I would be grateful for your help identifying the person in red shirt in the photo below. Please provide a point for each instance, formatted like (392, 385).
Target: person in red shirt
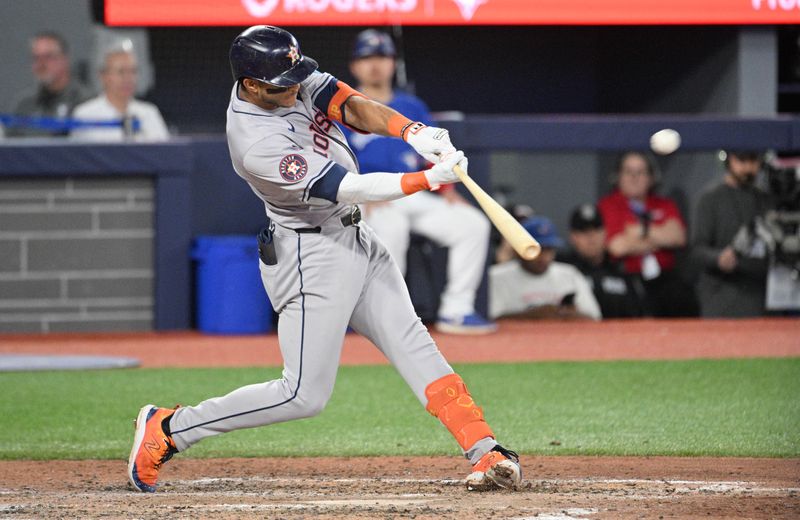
(643, 231)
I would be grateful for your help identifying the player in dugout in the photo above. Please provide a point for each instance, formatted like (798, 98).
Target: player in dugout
(447, 218)
(322, 267)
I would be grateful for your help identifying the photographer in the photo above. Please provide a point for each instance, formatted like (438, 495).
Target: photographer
(733, 257)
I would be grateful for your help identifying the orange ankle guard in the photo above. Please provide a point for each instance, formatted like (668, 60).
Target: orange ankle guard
(449, 400)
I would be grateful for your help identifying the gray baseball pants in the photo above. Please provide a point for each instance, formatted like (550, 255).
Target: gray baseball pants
(321, 283)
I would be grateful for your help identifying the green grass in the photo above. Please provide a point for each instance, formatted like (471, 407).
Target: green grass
(724, 408)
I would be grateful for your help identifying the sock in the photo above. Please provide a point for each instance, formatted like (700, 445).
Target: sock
(479, 449)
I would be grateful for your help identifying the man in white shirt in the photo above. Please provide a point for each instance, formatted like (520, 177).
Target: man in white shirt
(121, 117)
(540, 288)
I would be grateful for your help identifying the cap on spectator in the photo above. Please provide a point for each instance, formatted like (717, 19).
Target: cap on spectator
(373, 43)
(543, 230)
(585, 217)
(745, 155)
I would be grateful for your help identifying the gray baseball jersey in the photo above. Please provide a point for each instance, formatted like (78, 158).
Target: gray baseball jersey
(322, 273)
(293, 158)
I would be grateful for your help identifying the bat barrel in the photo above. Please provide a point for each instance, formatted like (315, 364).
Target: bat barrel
(530, 251)
(523, 243)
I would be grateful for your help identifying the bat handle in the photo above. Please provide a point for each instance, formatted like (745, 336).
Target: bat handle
(460, 172)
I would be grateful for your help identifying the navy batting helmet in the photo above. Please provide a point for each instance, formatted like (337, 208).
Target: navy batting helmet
(373, 43)
(269, 54)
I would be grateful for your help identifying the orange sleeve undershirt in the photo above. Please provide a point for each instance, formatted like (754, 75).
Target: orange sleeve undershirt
(409, 182)
(414, 182)
(396, 124)
(336, 105)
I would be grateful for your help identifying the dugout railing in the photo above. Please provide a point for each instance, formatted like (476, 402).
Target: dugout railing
(197, 193)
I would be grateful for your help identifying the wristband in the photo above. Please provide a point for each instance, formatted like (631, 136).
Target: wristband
(413, 128)
(397, 123)
(414, 182)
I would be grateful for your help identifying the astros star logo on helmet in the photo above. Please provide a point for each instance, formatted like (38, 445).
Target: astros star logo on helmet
(293, 168)
(293, 54)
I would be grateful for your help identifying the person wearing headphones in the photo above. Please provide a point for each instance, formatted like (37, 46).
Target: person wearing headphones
(643, 231)
(734, 260)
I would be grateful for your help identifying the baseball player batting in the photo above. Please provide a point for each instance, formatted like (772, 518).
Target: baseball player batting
(322, 268)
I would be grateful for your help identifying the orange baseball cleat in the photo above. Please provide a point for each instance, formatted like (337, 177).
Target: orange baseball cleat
(152, 447)
(498, 468)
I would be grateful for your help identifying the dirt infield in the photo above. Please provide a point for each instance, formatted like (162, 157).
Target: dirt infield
(555, 488)
(420, 488)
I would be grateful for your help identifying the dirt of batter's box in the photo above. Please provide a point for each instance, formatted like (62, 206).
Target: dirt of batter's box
(407, 487)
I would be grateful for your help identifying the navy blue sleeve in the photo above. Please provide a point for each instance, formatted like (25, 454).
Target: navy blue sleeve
(327, 187)
(325, 94)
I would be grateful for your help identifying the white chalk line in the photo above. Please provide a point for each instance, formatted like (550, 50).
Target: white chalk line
(658, 488)
(693, 486)
(574, 513)
(348, 480)
(682, 486)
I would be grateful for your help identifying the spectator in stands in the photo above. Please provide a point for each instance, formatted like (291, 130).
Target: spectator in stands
(619, 294)
(137, 120)
(734, 259)
(447, 218)
(542, 287)
(55, 94)
(644, 231)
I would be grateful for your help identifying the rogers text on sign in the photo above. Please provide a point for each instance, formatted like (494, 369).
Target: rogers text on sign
(263, 8)
(784, 5)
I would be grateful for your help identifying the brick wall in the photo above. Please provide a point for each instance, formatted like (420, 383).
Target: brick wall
(76, 254)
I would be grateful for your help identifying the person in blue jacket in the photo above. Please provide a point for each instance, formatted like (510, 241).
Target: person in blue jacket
(445, 218)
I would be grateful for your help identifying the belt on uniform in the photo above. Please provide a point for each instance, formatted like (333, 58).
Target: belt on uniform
(351, 219)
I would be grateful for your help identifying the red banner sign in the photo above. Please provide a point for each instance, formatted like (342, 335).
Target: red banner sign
(450, 12)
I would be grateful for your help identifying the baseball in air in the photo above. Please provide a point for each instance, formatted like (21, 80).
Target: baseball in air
(665, 141)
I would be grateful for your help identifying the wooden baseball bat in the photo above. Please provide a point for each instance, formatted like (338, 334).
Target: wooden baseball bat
(522, 241)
